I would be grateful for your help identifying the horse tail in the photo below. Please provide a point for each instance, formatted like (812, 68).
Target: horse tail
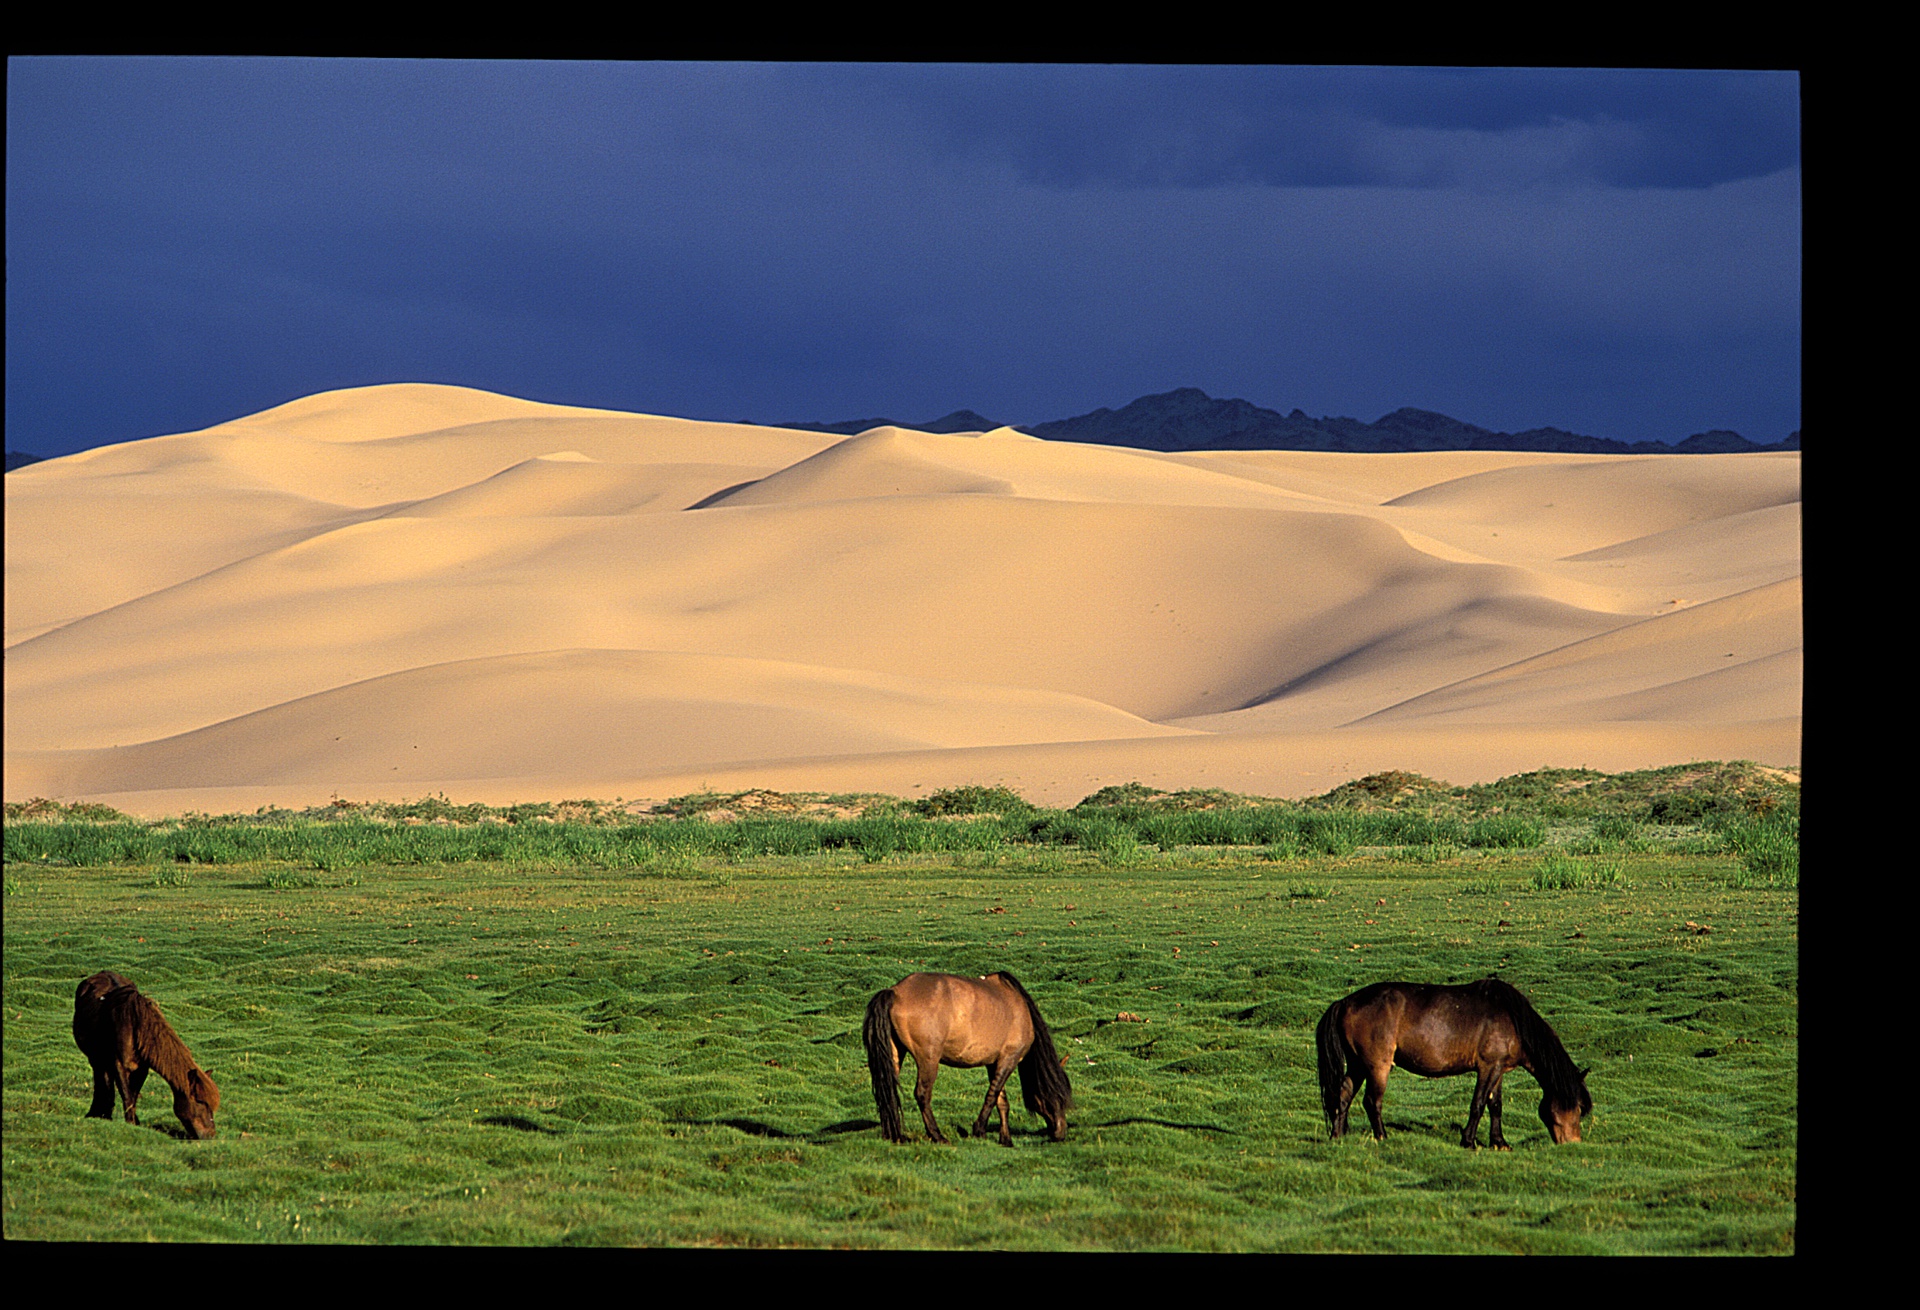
(1333, 1062)
(1045, 1088)
(878, 1033)
(1553, 1068)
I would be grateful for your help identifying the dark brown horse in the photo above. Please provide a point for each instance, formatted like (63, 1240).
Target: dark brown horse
(1484, 1028)
(939, 1018)
(123, 1034)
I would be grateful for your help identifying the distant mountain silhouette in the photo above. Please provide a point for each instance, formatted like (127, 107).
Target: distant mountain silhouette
(961, 420)
(20, 459)
(1189, 419)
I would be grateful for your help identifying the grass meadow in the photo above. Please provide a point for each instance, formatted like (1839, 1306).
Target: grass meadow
(603, 1037)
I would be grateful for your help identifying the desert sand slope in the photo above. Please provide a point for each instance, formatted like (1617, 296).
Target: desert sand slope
(1729, 660)
(396, 590)
(606, 712)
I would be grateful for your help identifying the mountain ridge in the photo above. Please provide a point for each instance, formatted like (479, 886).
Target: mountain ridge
(1187, 419)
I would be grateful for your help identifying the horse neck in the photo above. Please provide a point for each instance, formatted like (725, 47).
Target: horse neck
(160, 1048)
(1543, 1055)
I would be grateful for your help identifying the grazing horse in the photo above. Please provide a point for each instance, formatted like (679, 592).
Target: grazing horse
(1484, 1028)
(939, 1018)
(123, 1034)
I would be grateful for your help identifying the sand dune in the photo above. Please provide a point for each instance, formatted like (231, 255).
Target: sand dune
(396, 590)
(1732, 659)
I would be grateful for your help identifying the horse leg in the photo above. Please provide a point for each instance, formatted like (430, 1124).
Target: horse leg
(929, 1069)
(128, 1084)
(1376, 1100)
(102, 1107)
(1470, 1137)
(1494, 1137)
(997, 1076)
(1348, 1086)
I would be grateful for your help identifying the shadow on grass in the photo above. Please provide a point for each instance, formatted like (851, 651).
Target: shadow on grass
(517, 1123)
(1163, 1123)
(173, 1130)
(758, 1129)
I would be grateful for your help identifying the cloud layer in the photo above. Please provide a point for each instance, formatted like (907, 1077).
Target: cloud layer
(1614, 252)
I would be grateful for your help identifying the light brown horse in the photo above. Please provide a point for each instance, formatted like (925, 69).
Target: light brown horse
(940, 1018)
(123, 1034)
(1485, 1028)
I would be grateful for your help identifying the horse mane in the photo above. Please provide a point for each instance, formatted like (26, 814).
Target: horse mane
(156, 1043)
(1552, 1066)
(1045, 1088)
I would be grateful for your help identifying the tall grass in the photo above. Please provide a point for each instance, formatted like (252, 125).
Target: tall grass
(1768, 846)
(1558, 871)
(1746, 810)
(1507, 832)
(1114, 831)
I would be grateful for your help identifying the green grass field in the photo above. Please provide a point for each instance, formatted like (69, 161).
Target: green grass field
(658, 1044)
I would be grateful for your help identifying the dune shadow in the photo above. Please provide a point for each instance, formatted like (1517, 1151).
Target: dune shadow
(720, 495)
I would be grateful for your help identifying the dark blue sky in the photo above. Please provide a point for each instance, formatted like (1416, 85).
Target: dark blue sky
(190, 240)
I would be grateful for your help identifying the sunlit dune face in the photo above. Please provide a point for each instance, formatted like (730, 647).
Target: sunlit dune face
(309, 603)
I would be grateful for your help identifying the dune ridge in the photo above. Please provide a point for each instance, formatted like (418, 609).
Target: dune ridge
(396, 590)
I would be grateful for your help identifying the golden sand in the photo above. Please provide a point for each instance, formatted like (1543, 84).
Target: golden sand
(394, 591)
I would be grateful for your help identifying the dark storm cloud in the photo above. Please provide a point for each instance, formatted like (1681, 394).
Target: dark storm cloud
(1357, 126)
(192, 240)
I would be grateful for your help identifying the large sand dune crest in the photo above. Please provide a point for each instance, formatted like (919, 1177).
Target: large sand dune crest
(471, 589)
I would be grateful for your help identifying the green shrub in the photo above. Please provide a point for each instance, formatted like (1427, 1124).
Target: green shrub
(973, 800)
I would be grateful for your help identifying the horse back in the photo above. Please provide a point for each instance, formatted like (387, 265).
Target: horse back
(1432, 1030)
(961, 1021)
(105, 1009)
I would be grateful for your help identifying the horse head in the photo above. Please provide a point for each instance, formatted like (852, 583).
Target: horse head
(1563, 1118)
(195, 1103)
(1562, 1121)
